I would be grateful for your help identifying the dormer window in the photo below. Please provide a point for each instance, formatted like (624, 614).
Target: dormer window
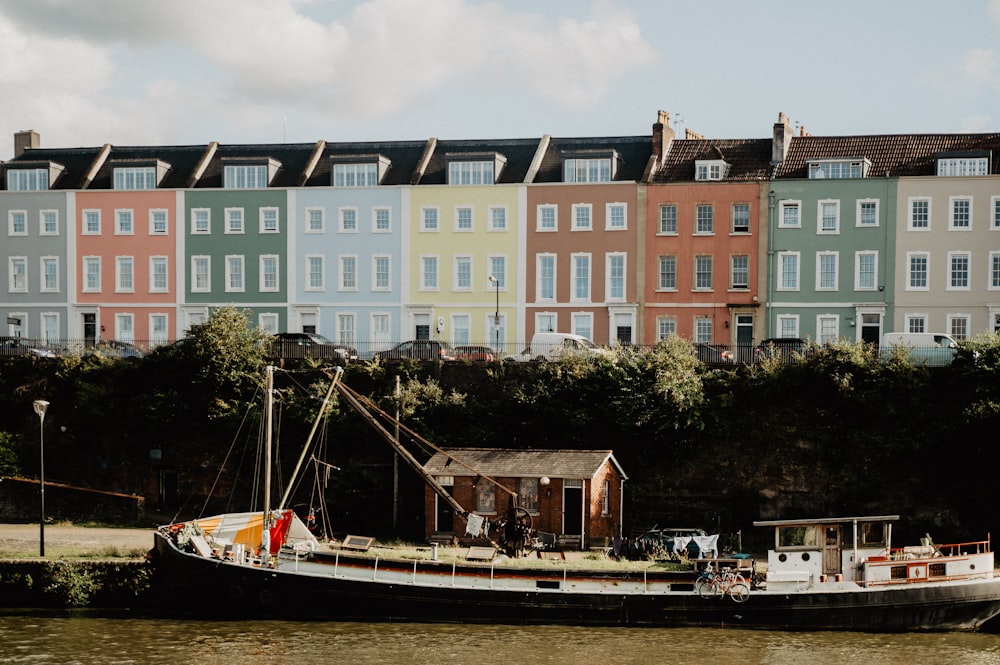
(963, 164)
(138, 176)
(837, 169)
(480, 169)
(249, 175)
(710, 169)
(359, 170)
(588, 169)
(36, 179)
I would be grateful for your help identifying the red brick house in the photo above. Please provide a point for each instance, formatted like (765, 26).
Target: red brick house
(574, 494)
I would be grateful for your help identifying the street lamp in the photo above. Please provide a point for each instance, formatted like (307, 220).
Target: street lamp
(496, 316)
(41, 406)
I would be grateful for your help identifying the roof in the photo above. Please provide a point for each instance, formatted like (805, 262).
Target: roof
(828, 520)
(76, 162)
(403, 158)
(633, 155)
(748, 159)
(528, 463)
(517, 152)
(891, 155)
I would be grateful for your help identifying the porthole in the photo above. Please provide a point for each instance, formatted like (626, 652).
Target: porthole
(805, 556)
(782, 558)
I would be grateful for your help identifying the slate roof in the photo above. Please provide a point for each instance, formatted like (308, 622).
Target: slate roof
(403, 158)
(293, 158)
(518, 153)
(633, 152)
(749, 159)
(894, 155)
(506, 463)
(76, 163)
(182, 161)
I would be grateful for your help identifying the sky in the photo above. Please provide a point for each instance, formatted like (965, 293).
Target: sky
(186, 72)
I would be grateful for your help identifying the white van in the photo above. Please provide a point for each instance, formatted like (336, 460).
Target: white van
(933, 349)
(552, 345)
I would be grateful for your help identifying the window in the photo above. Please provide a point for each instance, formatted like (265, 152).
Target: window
(916, 323)
(827, 269)
(158, 224)
(48, 223)
(665, 327)
(201, 221)
(668, 219)
(497, 331)
(428, 219)
(498, 270)
(461, 332)
(463, 273)
(546, 276)
(380, 331)
(50, 327)
(788, 271)
(245, 177)
(345, 329)
(713, 169)
(355, 175)
(17, 274)
(91, 222)
(268, 322)
(703, 219)
(788, 325)
(587, 170)
(315, 220)
(234, 220)
(788, 214)
(91, 274)
(546, 217)
(545, 322)
(269, 273)
(867, 214)
(667, 271)
(963, 166)
(485, 497)
(428, 273)
(498, 218)
(17, 223)
(135, 177)
(124, 274)
(348, 220)
(958, 271)
(958, 326)
(315, 273)
(470, 173)
(741, 218)
(920, 214)
(740, 271)
(581, 277)
(27, 180)
(268, 220)
(994, 270)
(380, 273)
(995, 213)
(234, 274)
(582, 324)
(616, 277)
(917, 271)
(348, 273)
(123, 223)
(50, 274)
(703, 330)
(829, 217)
(702, 273)
(125, 327)
(837, 169)
(381, 220)
(581, 217)
(157, 329)
(463, 219)
(158, 278)
(527, 494)
(201, 274)
(960, 218)
(615, 214)
(866, 269)
(606, 497)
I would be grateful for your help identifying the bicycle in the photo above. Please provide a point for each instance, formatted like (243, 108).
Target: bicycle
(727, 582)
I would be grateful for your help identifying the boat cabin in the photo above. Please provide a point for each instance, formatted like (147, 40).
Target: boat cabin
(859, 551)
(572, 496)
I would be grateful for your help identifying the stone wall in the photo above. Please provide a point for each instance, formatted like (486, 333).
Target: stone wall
(20, 502)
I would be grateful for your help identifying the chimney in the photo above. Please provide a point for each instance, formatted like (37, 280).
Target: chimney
(782, 139)
(692, 135)
(23, 140)
(663, 134)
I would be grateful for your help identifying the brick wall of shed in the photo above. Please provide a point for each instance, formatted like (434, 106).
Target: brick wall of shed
(602, 528)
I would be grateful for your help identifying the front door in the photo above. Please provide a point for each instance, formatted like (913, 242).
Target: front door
(871, 328)
(831, 551)
(573, 508)
(89, 329)
(744, 337)
(445, 513)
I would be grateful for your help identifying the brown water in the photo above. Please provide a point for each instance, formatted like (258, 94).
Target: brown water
(84, 638)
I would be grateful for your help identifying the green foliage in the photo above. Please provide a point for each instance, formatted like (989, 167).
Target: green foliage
(73, 583)
(8, 455)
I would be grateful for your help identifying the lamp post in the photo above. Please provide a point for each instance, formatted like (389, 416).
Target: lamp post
(41, 406)
(496, 316)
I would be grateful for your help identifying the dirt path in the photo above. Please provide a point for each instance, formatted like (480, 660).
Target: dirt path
(22, 540)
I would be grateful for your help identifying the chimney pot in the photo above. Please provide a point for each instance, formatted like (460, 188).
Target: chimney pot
(26, 139)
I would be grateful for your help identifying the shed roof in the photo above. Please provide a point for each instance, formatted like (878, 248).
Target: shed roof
(524, 463)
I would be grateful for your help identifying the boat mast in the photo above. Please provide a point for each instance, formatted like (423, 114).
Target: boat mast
(265, 536)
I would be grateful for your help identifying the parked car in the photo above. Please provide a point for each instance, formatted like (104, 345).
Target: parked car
(418, 349)
(112, 348)
(311, 345)
(18, 346)
(554, 345)
(474, 353)
(931, 349)
(785, 349)
(714, 354)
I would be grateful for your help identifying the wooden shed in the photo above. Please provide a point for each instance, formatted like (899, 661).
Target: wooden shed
(574, 494)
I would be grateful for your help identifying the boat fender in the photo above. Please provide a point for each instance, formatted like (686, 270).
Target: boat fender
(235, 591)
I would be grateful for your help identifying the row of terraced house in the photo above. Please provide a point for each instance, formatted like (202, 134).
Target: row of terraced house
(620, 239)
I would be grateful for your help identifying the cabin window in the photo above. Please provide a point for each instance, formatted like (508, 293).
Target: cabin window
(898, 573)
(485, 497)
(873, 533)
(791, 537)
(527, 494)
(935, 570)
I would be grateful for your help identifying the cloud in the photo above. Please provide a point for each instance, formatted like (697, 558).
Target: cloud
(980, 66)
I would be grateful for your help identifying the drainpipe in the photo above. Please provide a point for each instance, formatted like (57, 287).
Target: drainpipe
(771, 208)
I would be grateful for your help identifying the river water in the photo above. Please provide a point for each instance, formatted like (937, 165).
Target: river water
(84, 637)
